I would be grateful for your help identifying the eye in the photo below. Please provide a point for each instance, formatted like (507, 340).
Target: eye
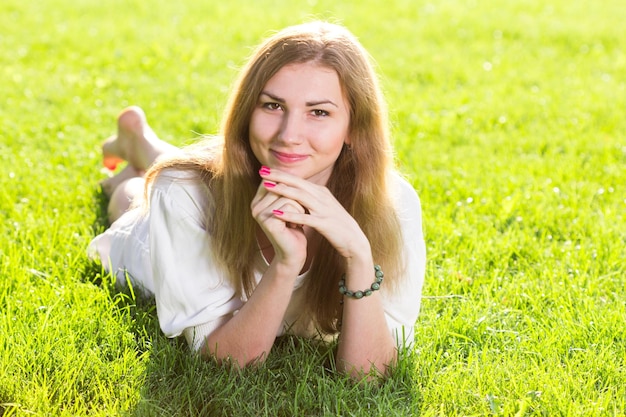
(320, 113)
(272, 106)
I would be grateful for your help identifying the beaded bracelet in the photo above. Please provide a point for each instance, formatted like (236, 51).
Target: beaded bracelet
(365, 293)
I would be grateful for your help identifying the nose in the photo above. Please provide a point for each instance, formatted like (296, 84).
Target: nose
(291, 129)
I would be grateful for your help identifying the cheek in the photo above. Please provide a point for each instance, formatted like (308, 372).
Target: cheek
(254, 125)
(330, 146)
(262, 127)
(335, 139)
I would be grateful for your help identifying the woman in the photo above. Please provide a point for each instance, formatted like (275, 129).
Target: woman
(275, 226)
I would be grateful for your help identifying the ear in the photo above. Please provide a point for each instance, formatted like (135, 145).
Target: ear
(347, 141)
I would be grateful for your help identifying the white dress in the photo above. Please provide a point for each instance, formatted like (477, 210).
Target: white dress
(167, 253)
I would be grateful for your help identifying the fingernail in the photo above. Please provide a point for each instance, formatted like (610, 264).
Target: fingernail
(264, 170)
(269, 184)
(278, 212)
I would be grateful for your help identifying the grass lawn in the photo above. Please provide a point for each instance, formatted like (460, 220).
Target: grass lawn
(509, 119)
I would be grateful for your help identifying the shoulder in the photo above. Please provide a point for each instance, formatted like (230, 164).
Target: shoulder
(170, 176)
(182, 189)
(172, 180)
(404, 195)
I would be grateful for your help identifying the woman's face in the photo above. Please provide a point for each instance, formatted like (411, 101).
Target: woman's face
(300, 122)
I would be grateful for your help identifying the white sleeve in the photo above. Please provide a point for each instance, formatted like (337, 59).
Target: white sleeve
(191, 292)
(402, 306)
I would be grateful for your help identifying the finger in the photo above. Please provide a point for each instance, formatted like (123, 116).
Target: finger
(294, 220)
(261, 192)
(262, 208)
(275, 202)
(312, 197)
(276, 175)
(289, 206)
(269, 179)
(295, 189)
(264, 200)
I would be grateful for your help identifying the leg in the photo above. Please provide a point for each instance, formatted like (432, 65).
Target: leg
(123, 197)
(109, 185)
(135, 143)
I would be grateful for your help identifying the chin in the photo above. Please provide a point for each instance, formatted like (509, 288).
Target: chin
(297, 173)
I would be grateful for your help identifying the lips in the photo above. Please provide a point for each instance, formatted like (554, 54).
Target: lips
(288, 157)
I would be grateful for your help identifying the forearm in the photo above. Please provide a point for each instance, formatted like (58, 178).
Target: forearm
(250, 334)
(365, 340)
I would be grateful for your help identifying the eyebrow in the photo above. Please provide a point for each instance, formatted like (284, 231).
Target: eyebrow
(308, 103)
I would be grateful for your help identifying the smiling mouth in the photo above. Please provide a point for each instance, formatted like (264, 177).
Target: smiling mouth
(288, 157)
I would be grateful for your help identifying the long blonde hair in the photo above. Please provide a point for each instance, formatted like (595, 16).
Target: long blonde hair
(359, 179)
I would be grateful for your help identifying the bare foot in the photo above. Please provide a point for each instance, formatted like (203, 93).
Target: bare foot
(109, 185)
(135, 142)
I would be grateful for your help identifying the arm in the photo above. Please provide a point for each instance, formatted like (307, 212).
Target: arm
(191, 294)
(249, 335)
(401, 308)
(365, 342)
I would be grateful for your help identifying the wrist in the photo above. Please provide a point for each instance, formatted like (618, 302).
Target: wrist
(286, 269)
(360, 251)
(360, 259)
(375, 285)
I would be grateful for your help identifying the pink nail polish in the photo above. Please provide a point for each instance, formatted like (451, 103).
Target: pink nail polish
(264, 170)
(112, 165)
(278, 212)
(269, 184)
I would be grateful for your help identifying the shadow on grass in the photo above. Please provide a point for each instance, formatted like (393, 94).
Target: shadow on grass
(294, 380)
(298, 377)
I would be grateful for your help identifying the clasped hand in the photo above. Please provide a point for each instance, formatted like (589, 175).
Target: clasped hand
(286, 205)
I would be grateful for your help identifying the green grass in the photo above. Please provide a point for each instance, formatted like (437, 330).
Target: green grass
(509, 118)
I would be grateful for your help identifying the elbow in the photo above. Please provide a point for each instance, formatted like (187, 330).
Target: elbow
(368, 368)
(238, 356)
(365, 372)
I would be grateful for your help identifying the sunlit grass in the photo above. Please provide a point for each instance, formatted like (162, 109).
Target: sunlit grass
(508, 118)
